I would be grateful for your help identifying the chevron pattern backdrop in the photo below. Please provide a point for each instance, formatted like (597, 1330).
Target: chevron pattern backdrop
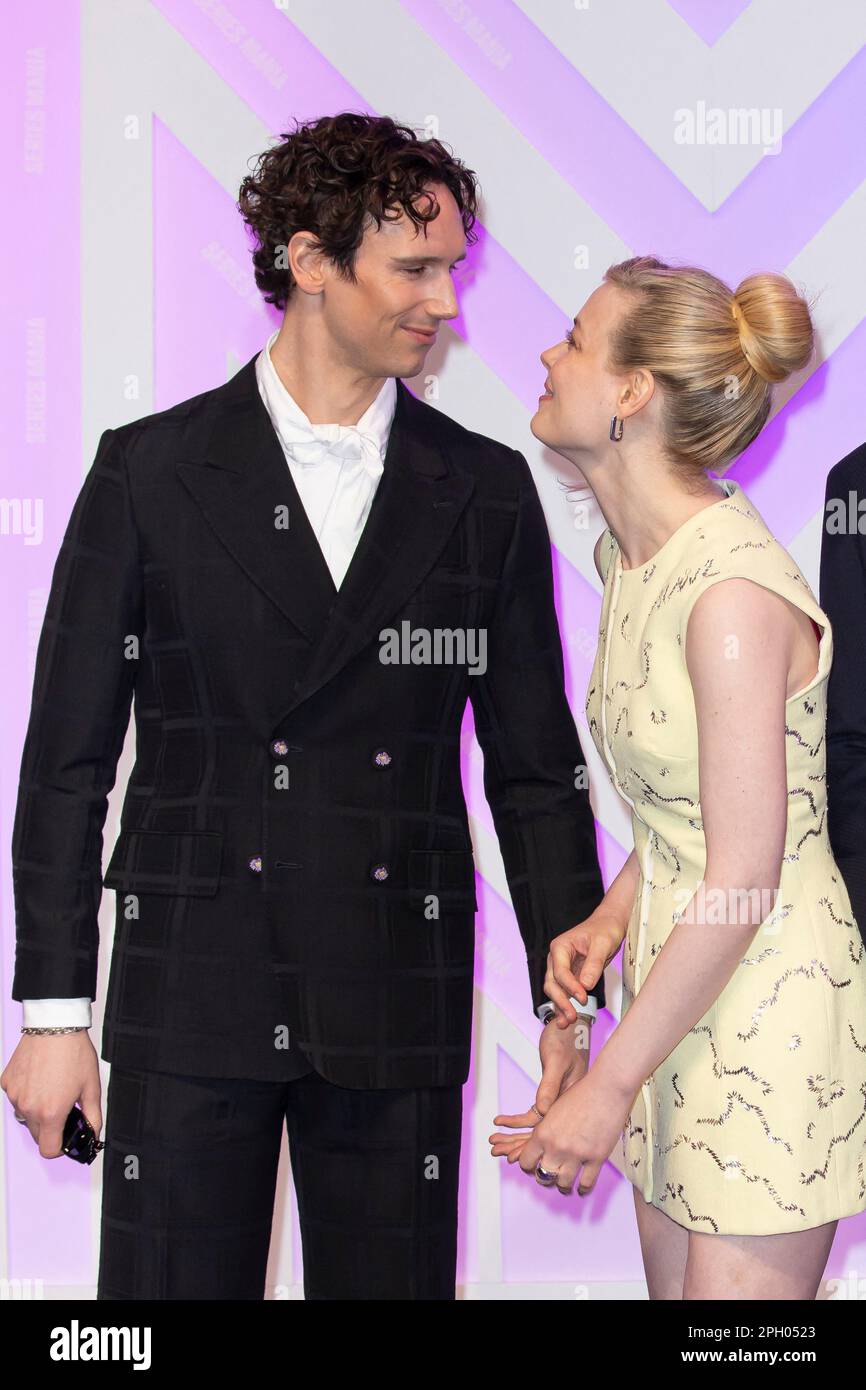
(600, 129)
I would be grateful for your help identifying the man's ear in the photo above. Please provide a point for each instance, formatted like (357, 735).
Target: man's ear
(306, 261)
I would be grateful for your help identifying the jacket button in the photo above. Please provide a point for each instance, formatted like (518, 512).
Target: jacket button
(279, 748)
(379, 872)
(255, 864)
(382, 757)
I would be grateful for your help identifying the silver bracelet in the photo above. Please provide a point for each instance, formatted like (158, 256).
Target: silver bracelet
(82, 1028)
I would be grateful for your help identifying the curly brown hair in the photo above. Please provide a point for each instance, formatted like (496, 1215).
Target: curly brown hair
(328, 175)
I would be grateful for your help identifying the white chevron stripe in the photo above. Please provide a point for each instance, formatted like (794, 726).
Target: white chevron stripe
(527, 206)
(832, 265)
(805, 547)
(647, 62)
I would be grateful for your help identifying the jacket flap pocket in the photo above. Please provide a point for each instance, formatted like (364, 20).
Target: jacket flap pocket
(447, 873)
(184, 863)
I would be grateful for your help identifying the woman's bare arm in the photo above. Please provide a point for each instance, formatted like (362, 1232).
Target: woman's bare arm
(739, 647)
(619, 898)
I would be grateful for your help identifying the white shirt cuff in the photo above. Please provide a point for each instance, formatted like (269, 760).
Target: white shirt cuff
(57, 1013)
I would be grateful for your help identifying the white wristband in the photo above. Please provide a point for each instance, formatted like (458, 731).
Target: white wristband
(590, 1007)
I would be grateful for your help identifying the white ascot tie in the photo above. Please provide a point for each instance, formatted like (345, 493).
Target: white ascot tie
(339, 441)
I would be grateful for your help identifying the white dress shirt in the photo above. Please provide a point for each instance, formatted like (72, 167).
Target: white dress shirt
(336, 470)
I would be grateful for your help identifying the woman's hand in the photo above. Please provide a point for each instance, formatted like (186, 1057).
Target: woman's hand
(575, 1137)
(588, 947)
(564, 1060)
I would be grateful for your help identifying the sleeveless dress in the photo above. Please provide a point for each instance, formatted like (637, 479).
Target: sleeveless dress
(755, 1123)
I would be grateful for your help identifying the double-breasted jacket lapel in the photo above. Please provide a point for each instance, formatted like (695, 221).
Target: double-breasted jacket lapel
(237, 473)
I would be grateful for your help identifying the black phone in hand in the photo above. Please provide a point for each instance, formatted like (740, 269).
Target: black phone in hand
(79, 1138)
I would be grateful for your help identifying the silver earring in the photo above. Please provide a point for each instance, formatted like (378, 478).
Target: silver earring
(613, 424)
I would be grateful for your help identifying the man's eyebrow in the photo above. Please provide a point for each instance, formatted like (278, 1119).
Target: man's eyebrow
(425, 260)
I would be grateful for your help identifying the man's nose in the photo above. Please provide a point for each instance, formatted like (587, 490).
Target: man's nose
(446, 306)
(446, 309)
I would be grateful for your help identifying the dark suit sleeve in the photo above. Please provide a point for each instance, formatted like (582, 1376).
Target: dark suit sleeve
(842, 595)
(532, 752)
(82, 691)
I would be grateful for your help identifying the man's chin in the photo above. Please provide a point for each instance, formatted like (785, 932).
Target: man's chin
(393, 366)
(412, 365)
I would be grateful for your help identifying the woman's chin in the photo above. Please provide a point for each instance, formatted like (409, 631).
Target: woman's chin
(536, 425)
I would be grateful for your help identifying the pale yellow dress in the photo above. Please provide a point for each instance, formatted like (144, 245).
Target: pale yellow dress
(755, 1123)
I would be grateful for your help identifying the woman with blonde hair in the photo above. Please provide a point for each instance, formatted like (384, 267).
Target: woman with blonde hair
(737, 1074)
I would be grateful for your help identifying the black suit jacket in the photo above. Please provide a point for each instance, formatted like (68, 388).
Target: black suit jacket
(842, 595)
(295, 811)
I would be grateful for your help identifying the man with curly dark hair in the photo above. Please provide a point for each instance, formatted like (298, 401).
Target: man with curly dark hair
(302, 576)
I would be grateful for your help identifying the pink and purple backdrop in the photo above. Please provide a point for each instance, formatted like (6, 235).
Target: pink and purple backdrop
(128, 125)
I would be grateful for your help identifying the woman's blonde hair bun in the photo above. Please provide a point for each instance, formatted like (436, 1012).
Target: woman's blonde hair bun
(713, 354)
(774, 325)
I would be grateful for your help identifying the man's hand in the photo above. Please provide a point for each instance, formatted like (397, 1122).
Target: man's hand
(564, 1060)
(586, 948)
(46, 1074)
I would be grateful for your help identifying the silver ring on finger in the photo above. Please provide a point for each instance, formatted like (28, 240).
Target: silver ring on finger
(545, 1176)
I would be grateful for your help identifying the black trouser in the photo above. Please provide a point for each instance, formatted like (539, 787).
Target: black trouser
(190, 1177)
